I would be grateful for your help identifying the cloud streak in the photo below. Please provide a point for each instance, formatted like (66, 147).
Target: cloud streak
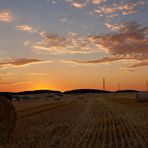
(128, 38)
(37, 74)
(12, 62)
(103, 8)
(98, 1)
(108, 59)
(113, 27)
(5, 16)
(129, 42)
(14, 82)
(69, 44)
(118, 8)
(83, 3)
(27, 28)
(140, 64)
(131, 38)
(78, 5)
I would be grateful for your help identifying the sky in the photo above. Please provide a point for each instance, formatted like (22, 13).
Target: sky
(72, 44)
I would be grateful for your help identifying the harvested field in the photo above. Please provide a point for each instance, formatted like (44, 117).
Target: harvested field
(81, 121)
(7, 119)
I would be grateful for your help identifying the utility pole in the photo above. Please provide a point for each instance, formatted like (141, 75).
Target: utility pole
(103, 83)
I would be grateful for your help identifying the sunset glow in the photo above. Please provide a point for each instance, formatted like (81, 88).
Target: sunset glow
(70, 44)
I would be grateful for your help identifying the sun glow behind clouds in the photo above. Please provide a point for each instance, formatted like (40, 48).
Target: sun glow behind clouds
(79, 38)
(41, 86)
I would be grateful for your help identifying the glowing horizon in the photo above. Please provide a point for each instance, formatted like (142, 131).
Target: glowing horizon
(71, 44)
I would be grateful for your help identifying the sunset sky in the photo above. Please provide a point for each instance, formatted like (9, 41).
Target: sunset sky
(69, 44)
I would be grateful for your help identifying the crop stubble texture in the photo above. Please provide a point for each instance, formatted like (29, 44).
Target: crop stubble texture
(93, 121)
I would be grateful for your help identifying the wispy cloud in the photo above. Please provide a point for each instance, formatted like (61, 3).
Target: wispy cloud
(129, 12)
(51, 1)
(102, 8)
(129, 42)
(69, 44)
(5, 74)
(5, 16)
(2, 73)
(130, 38)
(140, 64)
(14, 82)
(113, 27)
(13, 62)
(83, 3)
(118, 8)
(98, 1)
(128, 6)
(128, 69)
(78, 5)
(37, 74)
(105, 10)
(63, 20)
(27, 28)
(108, 59)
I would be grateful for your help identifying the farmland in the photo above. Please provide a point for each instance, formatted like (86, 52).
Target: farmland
(81, 121)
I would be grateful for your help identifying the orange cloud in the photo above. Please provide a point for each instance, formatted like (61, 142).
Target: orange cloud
(11, 62)
(113, 27)
(119, 8)
(37, 74)
(5, 16)
(14, 82)
(83, 3)
(105, 10)
(130, 38)
(129, 12)
(97, 1)
(140, 64)
(128, 69)
(2, 73)
(128, 43)
(27, 28)
(109, 59)
(69, 44)
(78, 5)
(128, 6)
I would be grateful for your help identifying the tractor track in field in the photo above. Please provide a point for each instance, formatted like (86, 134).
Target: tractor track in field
(109, 129)
(41, 108)
(126, 132)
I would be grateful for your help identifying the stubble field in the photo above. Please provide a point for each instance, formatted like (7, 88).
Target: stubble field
(81, 121)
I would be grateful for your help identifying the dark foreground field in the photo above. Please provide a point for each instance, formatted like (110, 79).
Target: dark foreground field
(82, 121)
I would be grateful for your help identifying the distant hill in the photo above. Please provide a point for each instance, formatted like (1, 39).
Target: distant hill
(38, 92)
(75, 91)
(126, 91)
(83, 91)
(9, 95)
